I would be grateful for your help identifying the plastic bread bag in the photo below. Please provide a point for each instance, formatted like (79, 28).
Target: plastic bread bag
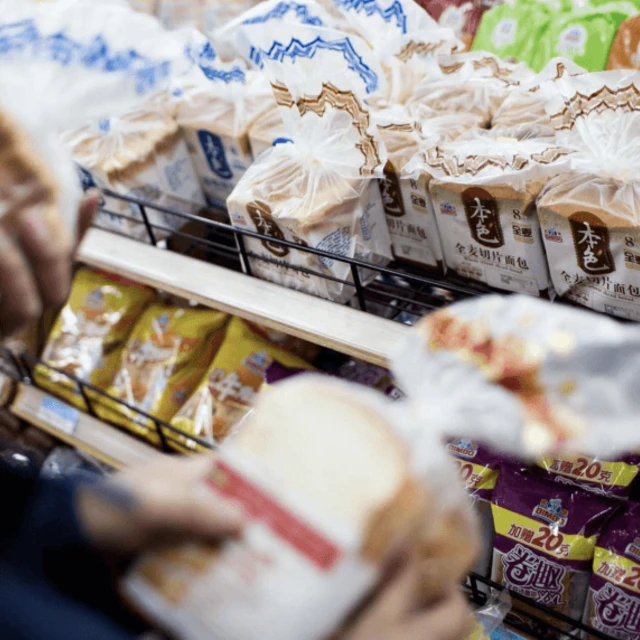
(624, 50)
(590, 217)
(87, 336)
(585, 35)
(515, 30)
(318, 188)
(523, 113)
(399, 28)
(141, 154)
(483, 192)
(475, 82)
(545, 539)
(487, 622)
(292, 463)
(613, 601)
(160, 365)
(81, 63)
(236, 37)
(524, 376)
(266, 130)
(609, 478)
(215, 110)
(229, 386)
(404, 188)
(479, 468)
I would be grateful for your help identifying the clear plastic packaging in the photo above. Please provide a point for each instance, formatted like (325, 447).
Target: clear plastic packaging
(84, 64)
(590, 217)
(525, 376)
(317, 188)
(320, 529)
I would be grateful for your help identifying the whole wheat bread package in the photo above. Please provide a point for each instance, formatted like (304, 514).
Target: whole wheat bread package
(317, 188)
(404, 188)
(320, 527)
(483, 192)
(523, 113)
(590, 217)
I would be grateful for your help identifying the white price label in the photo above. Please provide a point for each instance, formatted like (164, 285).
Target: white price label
(58, 414)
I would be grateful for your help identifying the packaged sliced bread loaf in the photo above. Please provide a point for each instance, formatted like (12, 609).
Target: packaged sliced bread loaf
(318, 189)
(215, 112)
(320, 527)
(523, 113)
(265, 130)
(404, 188)
(77, 78)
(229, 387)
(591, 217)
(160, 366)
(475, 82)
(483, 191)
(141, 154)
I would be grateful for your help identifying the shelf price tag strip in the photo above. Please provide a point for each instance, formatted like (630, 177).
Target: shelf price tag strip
(58, 415)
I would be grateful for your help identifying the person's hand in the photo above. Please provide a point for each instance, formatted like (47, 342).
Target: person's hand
(36, 262)
(397, 614)
(166, 501)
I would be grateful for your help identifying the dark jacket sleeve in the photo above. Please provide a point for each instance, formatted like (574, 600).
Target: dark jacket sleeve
(43, 548)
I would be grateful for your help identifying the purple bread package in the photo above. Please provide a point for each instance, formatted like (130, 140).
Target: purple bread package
(604, 477)
(363, 373)
(276, 372)
(545, 536)
(613, 603)
(479, 468)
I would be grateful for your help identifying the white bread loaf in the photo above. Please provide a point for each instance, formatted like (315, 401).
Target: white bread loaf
(335, 458)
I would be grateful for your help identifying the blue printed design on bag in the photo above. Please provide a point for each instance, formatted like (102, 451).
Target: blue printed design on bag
(282, 9)
(86, 179)
(214, 151)
(236, 74)
(393, 13)
(296, 49)
(204, 58)
(25, 37)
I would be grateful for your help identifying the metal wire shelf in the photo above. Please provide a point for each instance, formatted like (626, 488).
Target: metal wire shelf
(397, 287)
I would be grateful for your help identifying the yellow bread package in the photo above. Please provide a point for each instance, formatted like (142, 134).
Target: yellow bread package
(162, 364)
(87, 335)
(230, 385)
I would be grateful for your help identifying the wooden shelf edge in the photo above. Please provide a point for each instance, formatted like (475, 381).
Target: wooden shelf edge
(104, 442)
(325, 323)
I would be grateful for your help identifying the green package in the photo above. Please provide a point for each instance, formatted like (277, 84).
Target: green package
(584, 36)
(513, 30)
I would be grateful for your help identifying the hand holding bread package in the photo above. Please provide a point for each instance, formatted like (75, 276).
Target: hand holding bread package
(316, 189)
(320, 528)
